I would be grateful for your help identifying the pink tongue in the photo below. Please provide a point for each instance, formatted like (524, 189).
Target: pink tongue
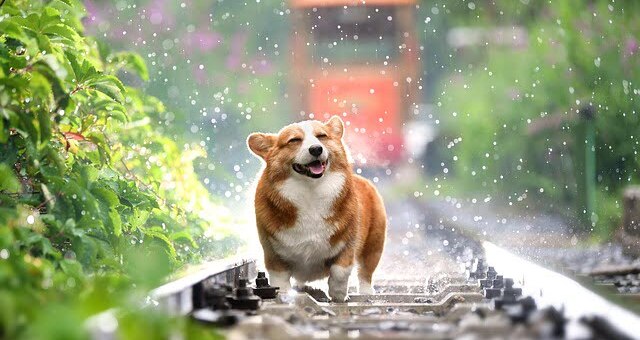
(316, 168)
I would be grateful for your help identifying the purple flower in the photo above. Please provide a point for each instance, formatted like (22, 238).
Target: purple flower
(201, 40)
(157, 13)
(234, 59)
(95, 16)
(261, 66)
(92, 10)
(631, 46)
(200, 76)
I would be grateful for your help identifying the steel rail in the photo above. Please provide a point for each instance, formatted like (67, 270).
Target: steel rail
(549, 288)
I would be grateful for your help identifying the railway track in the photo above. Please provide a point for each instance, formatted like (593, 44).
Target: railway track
(435, 281)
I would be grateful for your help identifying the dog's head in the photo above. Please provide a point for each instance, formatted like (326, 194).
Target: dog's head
(309, 148)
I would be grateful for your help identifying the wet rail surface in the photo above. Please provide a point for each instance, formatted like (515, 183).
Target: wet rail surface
(434, 281)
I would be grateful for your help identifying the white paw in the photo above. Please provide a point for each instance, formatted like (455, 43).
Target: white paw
(280, 279)
(339, 282)
(300, 284)
(366, 289)
(338, 295)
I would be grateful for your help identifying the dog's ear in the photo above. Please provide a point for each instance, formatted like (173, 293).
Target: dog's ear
(261, 143)
(335, 126)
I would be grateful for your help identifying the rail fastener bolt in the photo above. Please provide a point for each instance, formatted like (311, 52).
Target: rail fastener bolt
(509, 294)
(243, 297)
(498, 282)
(263, 289)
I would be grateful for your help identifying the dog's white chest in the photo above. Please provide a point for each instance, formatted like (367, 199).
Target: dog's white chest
(307, 243)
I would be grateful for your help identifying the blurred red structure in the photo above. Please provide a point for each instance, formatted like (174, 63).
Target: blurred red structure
(359, 60)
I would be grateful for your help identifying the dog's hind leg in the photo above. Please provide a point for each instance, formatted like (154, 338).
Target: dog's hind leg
(370, 257)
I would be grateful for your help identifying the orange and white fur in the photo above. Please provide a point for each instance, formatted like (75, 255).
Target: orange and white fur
(315, 217)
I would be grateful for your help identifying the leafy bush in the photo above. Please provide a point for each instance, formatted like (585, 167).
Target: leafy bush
(93, 199)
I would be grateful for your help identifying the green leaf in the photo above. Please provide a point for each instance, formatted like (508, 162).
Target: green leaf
(50, 68)
(132, 62)
(71, 267)
(61, 31)
(7, 212)
(83, 71)
(4, 133)
(8, 180)
(106, 196)
(118, 115)
(44, 122)
(40, 243)
(30, 22)
(11, 29)
(85, 248)
(111, 108)
(116, 222)
(76, 67)
(97, 138)
(110, 89)
(158, 234)
(88, 176)
(48, 17)
(184, 235)
(103, 49)
(28, 129)
(71, 10)
(44, 43)
(138, 219)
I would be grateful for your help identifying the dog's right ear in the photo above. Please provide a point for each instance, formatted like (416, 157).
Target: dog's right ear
(261, 143)
(336, 126)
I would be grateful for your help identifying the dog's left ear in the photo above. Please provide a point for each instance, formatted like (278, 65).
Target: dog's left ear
(335, 125)
(261, 143)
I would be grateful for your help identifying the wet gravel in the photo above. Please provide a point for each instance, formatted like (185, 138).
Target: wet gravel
(546, 239)
(626, 284)
(421, 247)
(586, 260)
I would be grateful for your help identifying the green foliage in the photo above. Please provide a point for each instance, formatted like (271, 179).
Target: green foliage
(221, 67)
(87, 184)
(513, 112)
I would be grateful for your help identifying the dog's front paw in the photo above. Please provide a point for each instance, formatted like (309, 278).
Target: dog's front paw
(338, 295)
(366, 289)
(280, 279)
(339, 283)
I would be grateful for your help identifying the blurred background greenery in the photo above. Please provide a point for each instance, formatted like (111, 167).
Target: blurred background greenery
(515, 109)
(162, 157)
(506, 80)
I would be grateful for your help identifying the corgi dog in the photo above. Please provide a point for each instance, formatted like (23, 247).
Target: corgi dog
(315, 217)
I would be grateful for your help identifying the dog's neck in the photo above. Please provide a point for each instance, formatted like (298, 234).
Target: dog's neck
(308, 193)
(301, 192)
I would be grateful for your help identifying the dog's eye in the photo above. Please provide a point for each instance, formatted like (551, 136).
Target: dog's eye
(294, 140)
(322, 135)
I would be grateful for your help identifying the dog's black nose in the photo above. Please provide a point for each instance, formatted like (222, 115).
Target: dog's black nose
(315, 150)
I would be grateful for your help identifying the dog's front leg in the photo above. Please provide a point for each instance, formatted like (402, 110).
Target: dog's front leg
(339, 275)
(279, 273)
(280, 279)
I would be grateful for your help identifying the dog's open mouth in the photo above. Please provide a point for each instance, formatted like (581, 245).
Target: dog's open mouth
(314, 169)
